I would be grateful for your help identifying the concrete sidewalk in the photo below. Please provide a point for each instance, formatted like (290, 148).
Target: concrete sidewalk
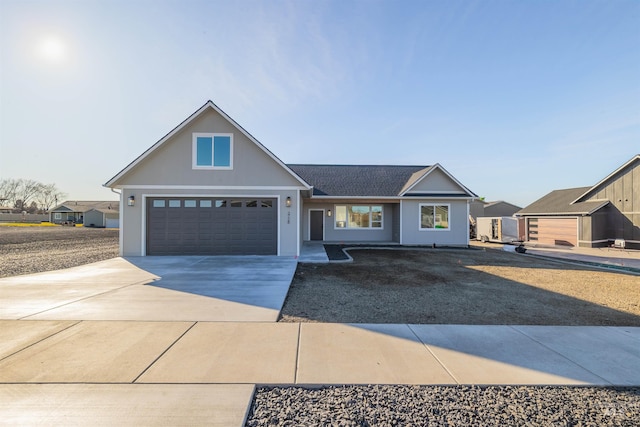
(162, 372)
(315, 353)
(112, 344)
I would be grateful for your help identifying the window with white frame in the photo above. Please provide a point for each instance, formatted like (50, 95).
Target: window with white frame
(212, 151)
(434, 217)
(57, 215)
(358, 216)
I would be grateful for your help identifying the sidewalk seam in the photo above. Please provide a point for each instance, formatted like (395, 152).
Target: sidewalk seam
(163, 353)
(40, 340)
(433, 354)
(141, 282)
(297, 367)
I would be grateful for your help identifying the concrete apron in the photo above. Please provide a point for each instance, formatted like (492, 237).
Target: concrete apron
(154, 288)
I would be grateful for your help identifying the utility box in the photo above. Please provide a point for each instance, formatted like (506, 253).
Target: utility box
(497, 229)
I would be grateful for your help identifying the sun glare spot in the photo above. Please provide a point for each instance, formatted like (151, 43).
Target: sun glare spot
(52, 49)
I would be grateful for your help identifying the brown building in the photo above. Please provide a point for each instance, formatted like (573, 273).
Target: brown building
(589, 216)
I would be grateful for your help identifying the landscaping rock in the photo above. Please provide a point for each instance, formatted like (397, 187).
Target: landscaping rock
(389, 405)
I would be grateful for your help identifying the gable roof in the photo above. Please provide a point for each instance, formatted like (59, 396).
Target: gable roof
(593, 189)
(363, 180)
(208, 105)
(421, 175)
(498, 202)
(105, 211)
(86, 205)
(560, 202)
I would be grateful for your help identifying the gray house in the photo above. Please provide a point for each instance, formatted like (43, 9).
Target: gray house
(209, 187)
(74, 211)
(589, 216)
(102, 218)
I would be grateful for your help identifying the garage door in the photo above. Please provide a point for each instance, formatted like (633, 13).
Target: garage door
(554, 231)
(113, 223)
(211, 226)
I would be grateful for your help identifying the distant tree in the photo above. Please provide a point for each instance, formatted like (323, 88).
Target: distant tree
(26, 191)
(8, 191)
(27, 194)
(48, 197)
(33, 208)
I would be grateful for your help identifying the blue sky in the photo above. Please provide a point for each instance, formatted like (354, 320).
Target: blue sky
(514, 98)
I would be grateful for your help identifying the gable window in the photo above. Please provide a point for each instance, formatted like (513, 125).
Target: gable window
(213, 151)
(358, 216)
(434, 217)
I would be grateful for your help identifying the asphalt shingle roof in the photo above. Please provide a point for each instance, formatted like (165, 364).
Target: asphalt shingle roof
(558, 202)
(86, 205)
(356, 180)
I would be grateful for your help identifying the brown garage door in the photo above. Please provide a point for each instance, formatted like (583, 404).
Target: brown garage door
(211, 226)
(554, 231)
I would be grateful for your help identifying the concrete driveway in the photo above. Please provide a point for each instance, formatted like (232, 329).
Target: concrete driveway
(199, 288)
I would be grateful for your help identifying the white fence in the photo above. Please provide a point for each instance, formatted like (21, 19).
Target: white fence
(5, 217)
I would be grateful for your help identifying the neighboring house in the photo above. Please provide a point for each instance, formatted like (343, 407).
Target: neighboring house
(209, 187)
(102, 218)
(589, 216)
(73, 211)
(499, 208)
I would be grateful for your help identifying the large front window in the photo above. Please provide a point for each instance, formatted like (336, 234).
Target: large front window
(358, 216)
(212, 151)
(434, 217)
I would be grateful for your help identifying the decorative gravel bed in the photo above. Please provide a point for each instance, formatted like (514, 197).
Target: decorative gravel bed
(385, 405)
(26, 250)
(335, 252)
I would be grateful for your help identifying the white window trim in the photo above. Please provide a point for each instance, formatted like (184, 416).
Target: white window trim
(194, 151)
(420, 228)
(370, 228)
(57, 215)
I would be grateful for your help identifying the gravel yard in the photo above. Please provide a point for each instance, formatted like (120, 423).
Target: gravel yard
(465, 286)
(25, 250)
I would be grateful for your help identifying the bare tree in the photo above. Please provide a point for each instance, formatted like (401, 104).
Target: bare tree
(49, 196)
(8, 191)
(21, 194)
(26, 191)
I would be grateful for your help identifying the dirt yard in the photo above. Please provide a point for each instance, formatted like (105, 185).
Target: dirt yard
(25, 250)
(390, 286)
(464, 286)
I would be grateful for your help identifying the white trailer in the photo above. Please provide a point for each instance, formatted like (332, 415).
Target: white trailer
(497, 229)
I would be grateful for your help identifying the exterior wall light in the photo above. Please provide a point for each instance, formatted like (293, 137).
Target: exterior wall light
(131, 201)
(288, 202)
(329, 212)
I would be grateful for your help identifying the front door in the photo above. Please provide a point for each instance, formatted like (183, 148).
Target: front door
(316, 225)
